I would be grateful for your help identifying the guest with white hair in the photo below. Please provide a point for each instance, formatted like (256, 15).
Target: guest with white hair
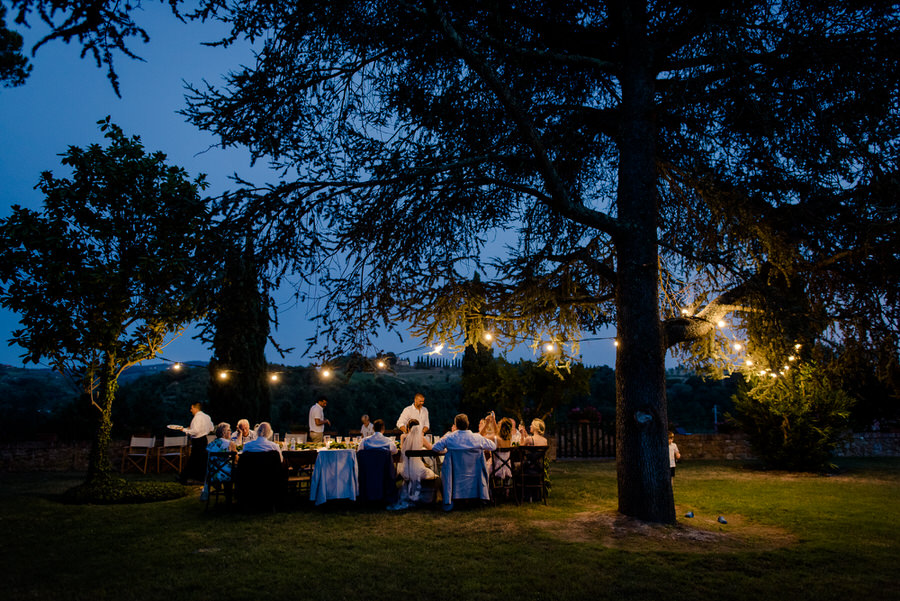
(261, 443)
(242, 433)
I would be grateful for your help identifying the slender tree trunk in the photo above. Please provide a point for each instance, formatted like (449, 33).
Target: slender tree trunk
(645, 488)
(99, 466)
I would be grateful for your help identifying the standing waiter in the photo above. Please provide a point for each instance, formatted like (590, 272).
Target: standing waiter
(200, 427)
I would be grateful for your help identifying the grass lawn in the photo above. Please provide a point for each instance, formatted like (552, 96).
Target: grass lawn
(788, 536)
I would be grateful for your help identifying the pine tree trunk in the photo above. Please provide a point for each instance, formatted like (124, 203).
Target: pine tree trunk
(645, 488)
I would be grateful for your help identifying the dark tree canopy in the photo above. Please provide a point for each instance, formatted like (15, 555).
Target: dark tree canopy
(238, 326)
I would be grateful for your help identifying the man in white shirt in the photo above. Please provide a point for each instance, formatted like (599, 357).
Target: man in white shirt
(201, 426)
(317, 421)
(416, 411)
(378, 440)
(261, 443)
(463, 438)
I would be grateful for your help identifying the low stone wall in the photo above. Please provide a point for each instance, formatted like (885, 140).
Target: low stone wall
(714, 446)
(736, 447)
(870, 444)
(53, 456)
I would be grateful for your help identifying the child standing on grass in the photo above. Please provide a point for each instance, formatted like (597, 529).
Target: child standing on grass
(673, 453)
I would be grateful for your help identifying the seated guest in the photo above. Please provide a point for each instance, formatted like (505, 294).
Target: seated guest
(463, 438)
(378, 440)
(367, 428)
(261, 443)
(504, 441)
(243, 434)
(537, 434)
(223, 441)
(516, 437)
(414, 469)
(222, 444)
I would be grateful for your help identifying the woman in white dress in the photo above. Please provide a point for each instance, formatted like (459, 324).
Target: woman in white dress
(414, 469)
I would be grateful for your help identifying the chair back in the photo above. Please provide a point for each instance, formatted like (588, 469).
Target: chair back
(377, 477)
(464, 474)
(299, 463)
(260, 480)
(220, 466)
(533, 460)
(171, 442)
(142, 442)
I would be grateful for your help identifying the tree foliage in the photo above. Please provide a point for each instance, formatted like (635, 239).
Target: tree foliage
(108, 271)
(14, 67)
(794, 421)
(238, 325)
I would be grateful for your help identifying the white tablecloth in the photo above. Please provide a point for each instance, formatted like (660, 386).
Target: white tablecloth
(335, 476)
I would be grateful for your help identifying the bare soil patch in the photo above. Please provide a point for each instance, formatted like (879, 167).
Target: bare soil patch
(702, 534)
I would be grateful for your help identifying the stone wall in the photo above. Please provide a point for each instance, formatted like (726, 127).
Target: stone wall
(714, 446)
(736, 447)
(53, 456)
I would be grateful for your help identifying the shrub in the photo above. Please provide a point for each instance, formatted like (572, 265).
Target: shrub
(793, 421)
(117, 491)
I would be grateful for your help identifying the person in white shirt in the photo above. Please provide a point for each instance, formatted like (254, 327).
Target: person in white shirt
(317, 421)
(416, 411)
(201, 426)
(378, 440)
(261, 443)
(463, 438)
(673, 454)
(243, 434)
(367, 428)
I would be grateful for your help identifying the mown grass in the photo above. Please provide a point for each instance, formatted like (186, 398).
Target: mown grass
(788, 536)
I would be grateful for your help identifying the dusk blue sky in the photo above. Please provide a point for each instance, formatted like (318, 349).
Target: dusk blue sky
(64, 98)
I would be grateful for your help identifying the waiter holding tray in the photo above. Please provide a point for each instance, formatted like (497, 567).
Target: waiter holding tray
(201, 426)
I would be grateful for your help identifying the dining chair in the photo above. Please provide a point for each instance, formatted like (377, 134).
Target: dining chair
(532, 474)
(299, 466)
(377, 476)
(260, 481)
(464, 475)
(432, 460)
(503, 473)
(172, 453)
(220, 475)
(137, 454)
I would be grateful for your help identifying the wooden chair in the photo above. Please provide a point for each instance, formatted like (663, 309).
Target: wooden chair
(172, 453)
(299, 466)
(220, 475)
(432, 460)
(503, 473)
(137, 454)
(532, 477)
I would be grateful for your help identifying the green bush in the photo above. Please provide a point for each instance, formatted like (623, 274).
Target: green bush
(793, 421)
(118, 491)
